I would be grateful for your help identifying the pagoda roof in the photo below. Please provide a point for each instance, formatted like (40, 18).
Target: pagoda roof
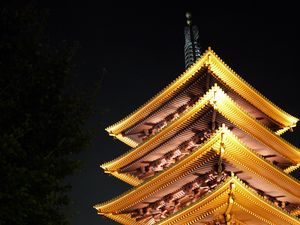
(222, 72)
(227, 108)
(236, 199)
(264, 174)
(232, 198)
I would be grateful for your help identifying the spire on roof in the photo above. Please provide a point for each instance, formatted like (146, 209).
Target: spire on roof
(192, 50)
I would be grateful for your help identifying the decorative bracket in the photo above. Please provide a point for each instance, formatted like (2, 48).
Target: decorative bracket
(228, 215)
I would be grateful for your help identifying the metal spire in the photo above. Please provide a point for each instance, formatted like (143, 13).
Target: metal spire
(192, 50)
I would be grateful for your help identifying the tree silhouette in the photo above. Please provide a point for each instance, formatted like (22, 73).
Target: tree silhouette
(42, 120)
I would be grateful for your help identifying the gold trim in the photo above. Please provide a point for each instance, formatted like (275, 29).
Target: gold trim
(127, 140)
(230, 110)
(128, 178)
(221, 71)
(159, 98)
(236, 153)
(163, 179)
(245, 199)
(242, 87)
(122, 219)
(238, 222)
(217, 199)
(141, 149)
(296, 212)
(282, 131)
(292, 168)
(231, 198)
(243, 157)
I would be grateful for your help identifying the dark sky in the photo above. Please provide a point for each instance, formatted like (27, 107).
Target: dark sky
(140, 48)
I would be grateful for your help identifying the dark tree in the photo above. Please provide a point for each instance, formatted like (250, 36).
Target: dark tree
(42, 121)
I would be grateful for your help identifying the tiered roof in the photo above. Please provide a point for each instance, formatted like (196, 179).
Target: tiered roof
(221, 72)
(232, 197)
(264, 175)
(237, 173)
(231, 111)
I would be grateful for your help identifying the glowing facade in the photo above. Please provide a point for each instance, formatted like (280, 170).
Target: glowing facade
(206, 150)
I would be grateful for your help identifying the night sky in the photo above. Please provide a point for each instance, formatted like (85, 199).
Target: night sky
(136, 50)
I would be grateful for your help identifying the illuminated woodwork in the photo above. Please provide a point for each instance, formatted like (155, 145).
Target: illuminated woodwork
(221, 71)
(206, 150)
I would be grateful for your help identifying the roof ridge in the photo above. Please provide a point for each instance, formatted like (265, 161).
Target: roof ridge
(204, 60)
(201, 101)
(250, 86)
(214, 138)
(189, 70)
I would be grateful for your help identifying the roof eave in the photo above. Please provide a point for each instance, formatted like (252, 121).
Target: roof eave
(223, 72)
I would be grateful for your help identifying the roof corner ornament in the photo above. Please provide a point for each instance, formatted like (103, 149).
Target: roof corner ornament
(221, 154)
(228, 213)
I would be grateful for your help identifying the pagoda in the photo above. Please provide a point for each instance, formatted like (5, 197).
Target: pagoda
(207, 149)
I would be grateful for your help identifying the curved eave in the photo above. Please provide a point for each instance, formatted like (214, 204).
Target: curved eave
(210, 203)
(292, 168)
(214, 202)
(234, 148)
(159, 98)
(217, 98)
(222, 72)
(228, 108)
(142, 149)
(163, 179)
(129, 179)
(244, 200)
(240, 148)
(296, 212)
(126, 140)
(242, 87)
(121, 218)
(237, 153)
